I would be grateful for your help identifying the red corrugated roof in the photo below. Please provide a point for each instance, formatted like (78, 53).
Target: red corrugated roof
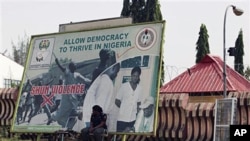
(206, 76)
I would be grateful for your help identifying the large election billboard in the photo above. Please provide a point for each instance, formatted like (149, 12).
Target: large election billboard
(67, 73)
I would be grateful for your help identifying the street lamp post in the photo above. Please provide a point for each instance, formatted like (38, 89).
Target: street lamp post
(237, 12)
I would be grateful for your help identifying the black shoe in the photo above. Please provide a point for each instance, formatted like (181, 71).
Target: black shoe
(49, 121)
(29, 120)
(79, 116)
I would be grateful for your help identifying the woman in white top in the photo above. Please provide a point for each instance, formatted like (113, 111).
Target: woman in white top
(128, 100)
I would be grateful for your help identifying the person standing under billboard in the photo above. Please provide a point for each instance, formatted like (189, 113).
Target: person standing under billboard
(128, 99)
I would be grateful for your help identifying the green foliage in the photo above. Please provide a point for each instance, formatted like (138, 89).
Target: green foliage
(20, 50)
(126, 8)
(143, 11)
(137, 11)
(202, 45)
(239, 53)
(153, 11)
(247, 73)
(13, 85)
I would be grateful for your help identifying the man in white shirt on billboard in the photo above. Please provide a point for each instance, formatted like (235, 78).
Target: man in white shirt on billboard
(145, 117)
(100, 92)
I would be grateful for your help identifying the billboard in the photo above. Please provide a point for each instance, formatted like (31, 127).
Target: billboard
(66, 74)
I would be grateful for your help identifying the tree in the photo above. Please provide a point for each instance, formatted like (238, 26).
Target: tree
(202, 45)
(239, 53)
(247, 73)
(20, 49)
(144, 11)
(126, 8)
(153, 12)
(137, 9)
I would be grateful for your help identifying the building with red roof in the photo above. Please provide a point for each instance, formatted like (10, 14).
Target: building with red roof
(207, 77)
(186, 103)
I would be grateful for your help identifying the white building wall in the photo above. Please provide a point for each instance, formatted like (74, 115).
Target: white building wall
(9, 70)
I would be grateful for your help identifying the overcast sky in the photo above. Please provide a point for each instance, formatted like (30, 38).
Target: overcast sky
(183, 20)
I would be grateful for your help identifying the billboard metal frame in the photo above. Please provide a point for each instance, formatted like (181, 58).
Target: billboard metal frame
(126, 46)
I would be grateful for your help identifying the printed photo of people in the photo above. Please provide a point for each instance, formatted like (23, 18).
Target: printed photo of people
(116, 70)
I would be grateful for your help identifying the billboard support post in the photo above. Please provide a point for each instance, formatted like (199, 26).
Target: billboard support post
(38, 137)
(124, 137)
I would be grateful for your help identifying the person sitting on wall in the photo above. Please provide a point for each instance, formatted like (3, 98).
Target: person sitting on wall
(97, 124)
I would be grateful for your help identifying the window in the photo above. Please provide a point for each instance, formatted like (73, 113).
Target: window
(141, 61)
